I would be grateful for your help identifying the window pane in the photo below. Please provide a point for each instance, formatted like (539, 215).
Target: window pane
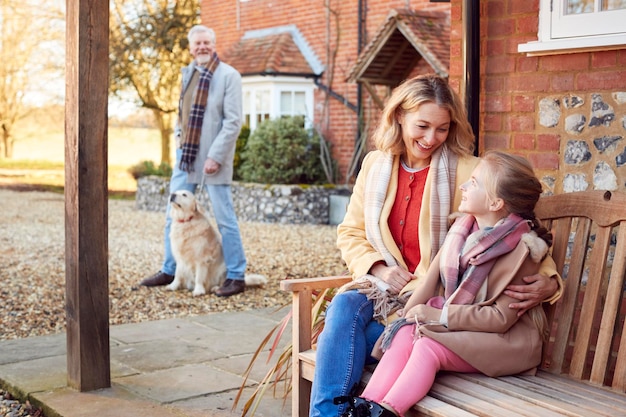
(579, 6)
(299, 103)
(613, 4)
(262, 104)
(285, 102)
(246, 102)
(262, 100)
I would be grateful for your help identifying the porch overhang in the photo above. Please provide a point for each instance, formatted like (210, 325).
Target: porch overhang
(404, 39)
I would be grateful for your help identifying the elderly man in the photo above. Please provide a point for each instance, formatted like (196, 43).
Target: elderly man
(209, 120)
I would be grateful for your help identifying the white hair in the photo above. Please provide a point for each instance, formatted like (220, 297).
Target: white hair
(200, 29)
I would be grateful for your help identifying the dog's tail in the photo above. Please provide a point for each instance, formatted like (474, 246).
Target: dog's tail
(255, 280)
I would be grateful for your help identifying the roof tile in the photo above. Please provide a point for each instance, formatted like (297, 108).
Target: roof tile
(273, 54)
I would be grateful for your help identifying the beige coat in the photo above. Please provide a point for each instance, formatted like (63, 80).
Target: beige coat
(489, 335)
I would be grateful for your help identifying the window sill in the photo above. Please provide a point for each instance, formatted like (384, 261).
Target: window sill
(573, 45)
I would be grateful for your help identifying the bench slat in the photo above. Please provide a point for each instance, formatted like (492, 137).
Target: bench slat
(611, 308)
(489, 404)
(590, 303)
(567, 305)
(433, 407)
(548, 397)
(598, 394)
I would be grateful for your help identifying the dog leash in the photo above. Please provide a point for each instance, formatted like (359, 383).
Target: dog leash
(202, 182)
(201, 185)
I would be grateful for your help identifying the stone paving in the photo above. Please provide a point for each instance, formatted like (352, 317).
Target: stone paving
(190, 366)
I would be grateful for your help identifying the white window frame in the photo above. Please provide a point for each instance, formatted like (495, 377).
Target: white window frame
(292, 110)
(561, 33)
(276, 85)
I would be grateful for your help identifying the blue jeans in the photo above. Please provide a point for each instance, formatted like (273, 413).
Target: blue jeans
(225, 216)
(343, 349)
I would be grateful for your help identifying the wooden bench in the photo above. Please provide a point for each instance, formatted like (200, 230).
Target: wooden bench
(583, 371)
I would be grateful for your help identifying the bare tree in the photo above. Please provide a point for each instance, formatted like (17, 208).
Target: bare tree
(31, 57)
(148, 43)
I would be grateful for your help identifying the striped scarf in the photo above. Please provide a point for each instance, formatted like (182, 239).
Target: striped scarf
(443, 166)
(191, 141)
(468, 254)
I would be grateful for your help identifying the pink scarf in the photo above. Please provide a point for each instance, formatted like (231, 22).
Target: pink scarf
(468, 254)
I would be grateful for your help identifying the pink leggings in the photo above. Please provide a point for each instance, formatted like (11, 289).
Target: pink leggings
(407, 370)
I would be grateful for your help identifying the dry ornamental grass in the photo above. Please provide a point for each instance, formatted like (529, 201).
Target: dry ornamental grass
(32, 265)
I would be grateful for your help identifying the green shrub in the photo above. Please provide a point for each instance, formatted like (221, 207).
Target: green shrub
(242, 141)
(145, 168)
(282, 151)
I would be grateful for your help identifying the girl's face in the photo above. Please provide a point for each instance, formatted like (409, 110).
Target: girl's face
(474, 197)
(423, 131)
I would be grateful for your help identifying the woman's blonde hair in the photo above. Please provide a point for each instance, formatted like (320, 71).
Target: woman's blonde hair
(411, 94)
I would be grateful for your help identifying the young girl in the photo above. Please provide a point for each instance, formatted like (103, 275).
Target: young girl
(471, 327)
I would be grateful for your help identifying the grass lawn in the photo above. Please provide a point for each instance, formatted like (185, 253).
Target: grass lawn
(38, 158)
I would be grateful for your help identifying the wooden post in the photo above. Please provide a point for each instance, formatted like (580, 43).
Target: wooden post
(86, 195)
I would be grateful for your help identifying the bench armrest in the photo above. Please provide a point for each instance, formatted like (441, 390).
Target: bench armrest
(302, 302)
(310, 284)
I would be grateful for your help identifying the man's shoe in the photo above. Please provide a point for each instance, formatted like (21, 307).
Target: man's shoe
(160, 278)
(231, 287)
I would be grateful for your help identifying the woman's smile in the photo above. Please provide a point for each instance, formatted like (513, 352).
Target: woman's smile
(423, 131)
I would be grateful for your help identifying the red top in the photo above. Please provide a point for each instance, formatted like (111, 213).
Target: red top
(405, 214)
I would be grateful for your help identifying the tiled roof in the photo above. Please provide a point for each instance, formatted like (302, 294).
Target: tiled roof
(404, 38)
(273, 54)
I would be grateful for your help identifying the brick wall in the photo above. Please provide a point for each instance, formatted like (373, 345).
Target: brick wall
(325, 32)
(536, 105)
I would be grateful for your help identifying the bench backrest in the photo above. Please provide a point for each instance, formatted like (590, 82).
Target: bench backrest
(587, 338)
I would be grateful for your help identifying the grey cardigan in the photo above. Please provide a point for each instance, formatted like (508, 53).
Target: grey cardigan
(221, 123)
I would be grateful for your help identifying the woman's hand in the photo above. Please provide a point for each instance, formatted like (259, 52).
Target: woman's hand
(537, 289)
(395, 276)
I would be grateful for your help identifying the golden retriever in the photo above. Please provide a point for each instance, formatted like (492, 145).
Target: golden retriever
(197, 248)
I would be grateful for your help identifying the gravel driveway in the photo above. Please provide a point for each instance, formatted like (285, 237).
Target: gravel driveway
(32, 264)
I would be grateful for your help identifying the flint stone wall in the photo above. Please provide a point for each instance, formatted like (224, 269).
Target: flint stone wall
(288, 204)
(591, 128)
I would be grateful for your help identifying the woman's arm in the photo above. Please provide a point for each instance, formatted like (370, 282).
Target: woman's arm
(356, 250)
(545, 286)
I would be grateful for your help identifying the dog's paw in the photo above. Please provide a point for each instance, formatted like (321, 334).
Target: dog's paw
(172, 287)
(198, 291)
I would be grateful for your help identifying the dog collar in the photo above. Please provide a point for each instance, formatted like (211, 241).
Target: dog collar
(185, 220)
